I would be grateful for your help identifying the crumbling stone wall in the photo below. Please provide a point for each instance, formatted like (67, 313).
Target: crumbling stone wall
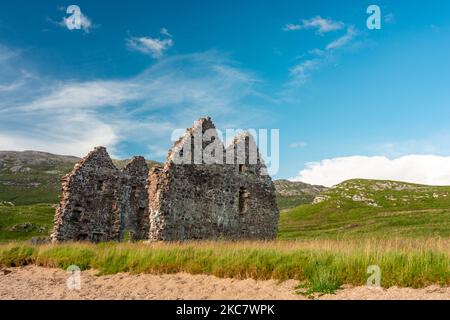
(134, 216)
(89, 208)
(197, 194)
(100, 203)
(190, 201)
(208, 200)
(257, 211)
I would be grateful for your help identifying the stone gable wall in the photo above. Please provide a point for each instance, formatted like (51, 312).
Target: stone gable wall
(100, 203)
(179, 201)
(212, 201)
(89, 208)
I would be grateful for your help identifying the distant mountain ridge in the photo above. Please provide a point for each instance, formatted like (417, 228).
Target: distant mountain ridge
(29, 177)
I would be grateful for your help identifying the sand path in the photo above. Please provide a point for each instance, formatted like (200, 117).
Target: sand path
(32, 282)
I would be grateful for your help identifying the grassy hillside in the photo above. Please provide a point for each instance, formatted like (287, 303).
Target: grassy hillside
(290, 194)
(363, 208)
(30, 185)
(32, 177)
(25, 221)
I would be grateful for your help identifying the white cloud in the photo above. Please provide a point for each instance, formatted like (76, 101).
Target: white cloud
(292, 27)
(62, 135)
(11, 86)
(6, 54)
(317, 52)
(234, 73)
(89, 95)
(389, 18)
(72, 117)
(303, 68)
(320, 24)
(154, 47)
(85, 23)
(423, 169)
(165, 32)
(157, 150)
(316, 57)
(342, 41)
(298, 144)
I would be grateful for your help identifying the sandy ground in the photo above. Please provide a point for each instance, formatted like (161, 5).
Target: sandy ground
(34, 282)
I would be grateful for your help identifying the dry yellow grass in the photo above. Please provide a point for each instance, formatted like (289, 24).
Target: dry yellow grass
(325, 264)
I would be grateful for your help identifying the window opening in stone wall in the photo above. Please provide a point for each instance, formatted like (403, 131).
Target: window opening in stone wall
(76, 215)
(242, 168)
(243, 200)
(192, 150)
(82, 236)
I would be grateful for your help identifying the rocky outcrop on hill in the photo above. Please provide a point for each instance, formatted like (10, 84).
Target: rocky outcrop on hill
(296, 188)
(24, 161)
(293, 193)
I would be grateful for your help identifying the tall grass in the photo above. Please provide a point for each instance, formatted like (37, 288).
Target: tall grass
(410, 263)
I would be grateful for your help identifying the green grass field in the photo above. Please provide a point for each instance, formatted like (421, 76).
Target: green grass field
(41, 185)
(405, 263)
(403, 228)
(25, 221)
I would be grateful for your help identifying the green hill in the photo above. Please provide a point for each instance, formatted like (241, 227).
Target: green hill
(30, 185)
(360, 208)
(290, 194)
(31, 177)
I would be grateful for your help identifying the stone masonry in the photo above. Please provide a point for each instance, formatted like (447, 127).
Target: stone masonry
(204, 196)
(212, 201)
(101, 203)
(89, 207)
(134, 200)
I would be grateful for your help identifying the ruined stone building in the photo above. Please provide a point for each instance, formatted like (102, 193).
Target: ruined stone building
(212, 193)
(101, 203)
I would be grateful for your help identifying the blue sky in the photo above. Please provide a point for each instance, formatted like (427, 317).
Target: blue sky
(342, 96)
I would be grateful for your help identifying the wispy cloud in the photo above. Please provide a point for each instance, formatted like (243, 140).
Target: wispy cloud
(154, 47)
(85, 22)
(6, 53)
(11, 86)
(303, 68)
(318, 57)
(425, 169)
(342, 41)
(72, 117)
(298, 144)
(165, 32)
(320, 24)
(292, 27)
(389, 18)
(436, 143)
